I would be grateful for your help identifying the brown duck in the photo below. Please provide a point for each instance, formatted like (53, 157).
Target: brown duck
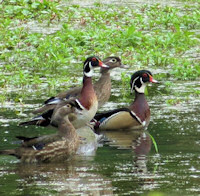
(50, 148)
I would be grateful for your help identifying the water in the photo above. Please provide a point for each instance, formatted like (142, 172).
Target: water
(127, 164)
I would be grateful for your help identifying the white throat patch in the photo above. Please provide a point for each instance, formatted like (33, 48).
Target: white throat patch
(142, 88)
(90, 73)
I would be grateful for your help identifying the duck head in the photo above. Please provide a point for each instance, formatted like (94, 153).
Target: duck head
(62, 111)
(90, 63)
(140, 79)
(66, 108)
(112, 62)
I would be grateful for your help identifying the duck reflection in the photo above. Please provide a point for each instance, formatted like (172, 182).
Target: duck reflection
(139, 141)
(141, 146)
(70, 178)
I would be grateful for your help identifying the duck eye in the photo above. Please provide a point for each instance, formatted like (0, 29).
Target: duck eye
(145, 75)
(113, 60)
(94, 59)
(68, 105)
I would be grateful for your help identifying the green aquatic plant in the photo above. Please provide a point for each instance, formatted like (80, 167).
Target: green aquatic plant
(23, 9)
(186, 71)
(154, 142)
(41, 41)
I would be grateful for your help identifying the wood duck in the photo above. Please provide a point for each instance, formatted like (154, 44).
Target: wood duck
(87, 101)
(50, 148)
(102, 87)
(137, 115)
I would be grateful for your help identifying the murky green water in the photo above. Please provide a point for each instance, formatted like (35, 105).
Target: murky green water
(127, 164)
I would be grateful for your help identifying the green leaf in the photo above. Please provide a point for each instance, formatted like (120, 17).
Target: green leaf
(154, 142)
(25, 12)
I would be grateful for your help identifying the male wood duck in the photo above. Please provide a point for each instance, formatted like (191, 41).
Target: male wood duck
(87, 101)
(137, 115)
(50, 148)
(102, 87)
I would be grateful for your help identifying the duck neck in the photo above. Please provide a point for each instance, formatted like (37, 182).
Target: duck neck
(87, 86)
(139, 96)
(105, 77)
(140, 106)
(103, 86)
(87, 92)
(105, 71)
(139, 102)
(66, 129)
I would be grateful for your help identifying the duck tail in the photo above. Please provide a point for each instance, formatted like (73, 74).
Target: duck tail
(42, 123)
(44, 109)
(8, 152)
(31, 122)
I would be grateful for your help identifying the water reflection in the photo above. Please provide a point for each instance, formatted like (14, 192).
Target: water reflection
(142, 147)
(85, 175)
(71, 178)
(134, 174)
(139, 141)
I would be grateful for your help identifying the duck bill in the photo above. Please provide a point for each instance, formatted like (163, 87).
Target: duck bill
(152, 80)
(101, 64)
(124, 66)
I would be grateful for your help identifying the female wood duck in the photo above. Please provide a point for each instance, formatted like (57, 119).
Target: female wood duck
(50, 148)
(137, 115)
(87, 101)
(102, 87)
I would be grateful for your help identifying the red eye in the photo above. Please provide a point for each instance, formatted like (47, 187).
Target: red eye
(145, 75)
(94, 59)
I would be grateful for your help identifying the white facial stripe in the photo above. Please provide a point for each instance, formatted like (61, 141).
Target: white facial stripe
(90, 66)
(85, 65)
(133, 83)
(141, 80)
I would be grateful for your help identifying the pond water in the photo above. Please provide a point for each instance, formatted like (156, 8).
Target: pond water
(127, 164)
